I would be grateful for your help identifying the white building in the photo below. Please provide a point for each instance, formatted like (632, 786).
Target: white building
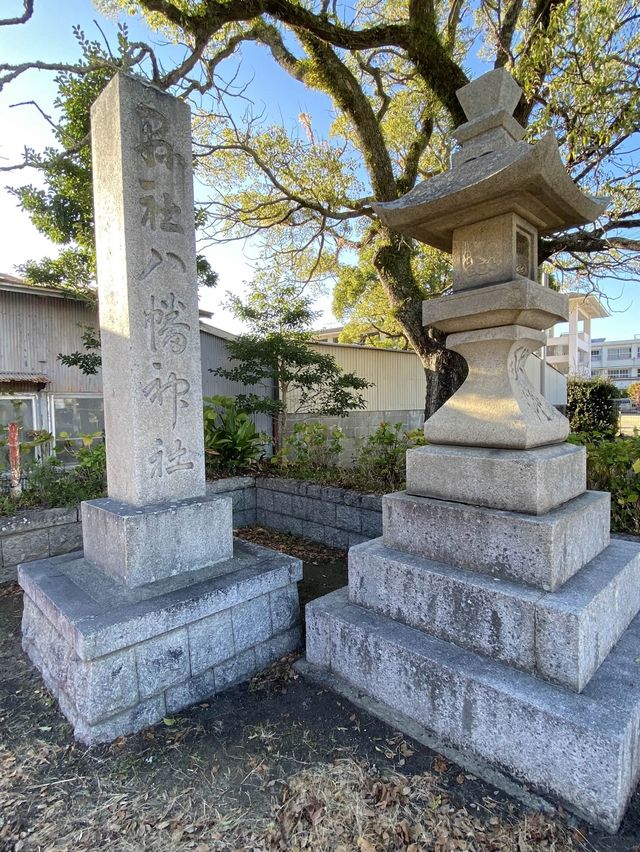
(569, 349)
(616, 360)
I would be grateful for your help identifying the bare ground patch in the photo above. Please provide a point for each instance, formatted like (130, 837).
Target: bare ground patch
(277, 764)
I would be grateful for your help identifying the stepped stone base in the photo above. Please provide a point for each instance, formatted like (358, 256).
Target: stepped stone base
(560, 636)
(540, 550)
(580, 748)
(531, 481)
(118, 659)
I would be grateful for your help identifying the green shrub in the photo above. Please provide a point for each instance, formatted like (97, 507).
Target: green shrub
(381, 461)
(311, 448)
(591, 408)
(615, 466)
(49, 483)
(231, 440)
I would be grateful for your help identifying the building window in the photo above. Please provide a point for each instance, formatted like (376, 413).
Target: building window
(619, 353)
(621, 373)
(554, 351)
(75, 420)
(596, 354)
(17, 408)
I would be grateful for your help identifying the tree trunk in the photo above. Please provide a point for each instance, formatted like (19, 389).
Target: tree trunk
(444, 370)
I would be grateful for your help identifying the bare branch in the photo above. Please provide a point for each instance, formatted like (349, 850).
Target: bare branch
(22, 19)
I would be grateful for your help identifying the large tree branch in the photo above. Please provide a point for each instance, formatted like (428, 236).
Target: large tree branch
(287, 193)
(22, 19)
(588, 242)
(506, 32)
(213, 15)
(415, 151)
(338, 81)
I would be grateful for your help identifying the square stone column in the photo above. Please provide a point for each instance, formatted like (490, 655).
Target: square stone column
(162, 609)
(148, 295)
(156, 522)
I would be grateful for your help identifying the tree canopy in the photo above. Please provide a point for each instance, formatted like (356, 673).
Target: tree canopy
(390, 69)
(276, 354)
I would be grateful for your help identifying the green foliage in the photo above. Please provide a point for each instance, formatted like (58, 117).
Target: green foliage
(386, 72)
(633, 392)
(63, 209)
(381, 460)
(591, 407)
(231, 441)
(276, 354)
(311, 448)
(615, 466)
(49, 483)
(89, 361)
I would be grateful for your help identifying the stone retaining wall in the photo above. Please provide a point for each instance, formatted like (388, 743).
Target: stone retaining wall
(323, 513)
(37, 534)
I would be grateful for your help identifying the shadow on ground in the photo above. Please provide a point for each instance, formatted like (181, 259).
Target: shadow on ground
(277, 764)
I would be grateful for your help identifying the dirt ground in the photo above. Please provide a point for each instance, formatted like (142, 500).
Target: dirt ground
(276, 764)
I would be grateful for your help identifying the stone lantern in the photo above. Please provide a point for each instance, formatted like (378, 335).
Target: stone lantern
(495, 613)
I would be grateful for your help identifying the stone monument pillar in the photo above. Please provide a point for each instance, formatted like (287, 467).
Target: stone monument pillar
(162, 608)
(495, 612)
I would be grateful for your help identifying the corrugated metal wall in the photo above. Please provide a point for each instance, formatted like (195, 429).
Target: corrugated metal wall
(214, 355)
(399, 381)
(35, 329)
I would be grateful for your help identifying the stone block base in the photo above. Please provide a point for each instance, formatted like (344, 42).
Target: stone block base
(531, 481)
(139, 545)
(579, 748)
(119, 659)
(540, 550)
(560, 636)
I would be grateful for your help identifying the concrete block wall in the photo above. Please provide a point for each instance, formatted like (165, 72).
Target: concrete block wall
(37, 534)
(358, 425)
(334, 516)
(242, 490)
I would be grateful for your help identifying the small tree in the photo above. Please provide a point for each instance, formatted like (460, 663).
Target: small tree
(633, 392)
(591, 408)
(276, 354)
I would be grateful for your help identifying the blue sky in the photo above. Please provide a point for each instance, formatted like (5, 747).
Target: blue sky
(48, 37)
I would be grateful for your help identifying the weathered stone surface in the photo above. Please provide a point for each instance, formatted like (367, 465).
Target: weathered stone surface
(581, 748)
(118, 659)
(65, 538)
(162, 662)
(35, 519)
(518, 302)
(539, 550)
(485, 253)
(25, 547)
(210, 641)
(251, 622)
(146, 269)
(532, 481)
(497, 406)
(578, 625)
(561, 636)
(233, 671)
(190, 691)
(490, 616)
(284, 643)
(285, 608)
(147, 712)
(96, 689)
(348, 518)
(99, 616)
(143, 545)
